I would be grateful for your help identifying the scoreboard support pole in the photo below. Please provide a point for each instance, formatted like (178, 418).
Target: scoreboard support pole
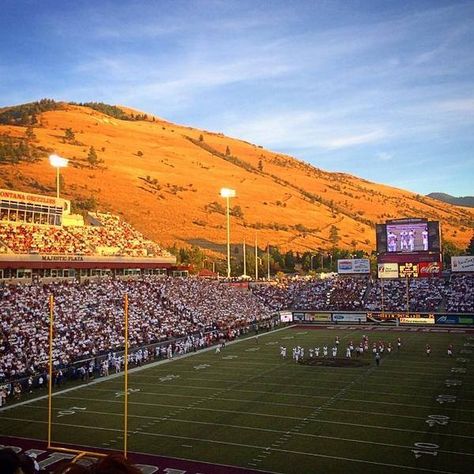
(80, 453)
(408, 295)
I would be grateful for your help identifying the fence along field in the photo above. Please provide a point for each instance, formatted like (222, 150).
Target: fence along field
(248, 407)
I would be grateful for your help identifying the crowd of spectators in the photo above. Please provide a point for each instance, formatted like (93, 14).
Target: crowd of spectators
(170, 316)
(361, 293)
(315, 294)
(460, 297)
(423, 294)
(36, 239)
(110, 235)
(89, 318)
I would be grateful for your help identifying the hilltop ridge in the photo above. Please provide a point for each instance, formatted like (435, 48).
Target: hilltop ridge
(165, 178)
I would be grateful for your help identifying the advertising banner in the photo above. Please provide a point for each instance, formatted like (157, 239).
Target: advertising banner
(317, 317)
(428, 320)
(349, 317)
(399, 315)
(388, 270)
(408, 270)
(353, 265)
(462, 264)
(455, 319)
(286, 316)
(298, 316)
(429, 269)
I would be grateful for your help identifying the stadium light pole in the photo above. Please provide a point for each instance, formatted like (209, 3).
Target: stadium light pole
(256, 257)
(228, 193)
(57, 162)
(268, 262)
(245, 261)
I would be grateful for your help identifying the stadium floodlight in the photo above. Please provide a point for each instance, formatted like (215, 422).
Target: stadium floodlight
(228, 193)
(57, 162)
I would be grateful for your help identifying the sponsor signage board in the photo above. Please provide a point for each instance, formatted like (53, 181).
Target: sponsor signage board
(349, 317)
(298, 316)
(455, 319)
(353, 265)
(317, 317)
(398, 315)
(388, 270)
(462, 264)
(408, 270)
(286, 316)
(429, 269)
(421, 320)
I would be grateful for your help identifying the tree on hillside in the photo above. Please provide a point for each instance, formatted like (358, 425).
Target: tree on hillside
(334, 235)
(236, 211)
(470, 248)
(30, 134)
(201, 138)
(69, 135)
(227, 150)
(450, 250)
(260, 165)
(92, 157)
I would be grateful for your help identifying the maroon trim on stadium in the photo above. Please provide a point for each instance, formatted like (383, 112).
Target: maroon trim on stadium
(160, 462)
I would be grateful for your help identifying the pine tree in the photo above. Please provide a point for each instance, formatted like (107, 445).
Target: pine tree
(92, 157)
(69, 135)
(30, 134)
(227, 151)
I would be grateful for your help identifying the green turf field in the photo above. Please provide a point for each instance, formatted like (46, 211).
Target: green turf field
(248, 407)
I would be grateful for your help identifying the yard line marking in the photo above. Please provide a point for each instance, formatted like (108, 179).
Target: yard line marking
(258, 414)
(318, 380)
(356, 400)
(286, 434)
(303, 453)
(430, 397)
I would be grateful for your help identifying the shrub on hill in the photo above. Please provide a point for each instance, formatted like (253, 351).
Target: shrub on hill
(27, 114)
(106, 109)
(16, 150)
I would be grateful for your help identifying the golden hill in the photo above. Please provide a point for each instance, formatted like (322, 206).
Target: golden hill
(165, 180)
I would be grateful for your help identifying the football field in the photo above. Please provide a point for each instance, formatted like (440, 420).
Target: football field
(249, 407)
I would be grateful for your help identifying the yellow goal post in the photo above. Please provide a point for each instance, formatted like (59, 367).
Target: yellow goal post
(80, 453)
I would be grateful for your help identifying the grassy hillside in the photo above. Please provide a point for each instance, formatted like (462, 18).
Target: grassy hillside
(165, 179)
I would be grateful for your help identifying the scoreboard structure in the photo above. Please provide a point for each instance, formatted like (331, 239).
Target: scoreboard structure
(409, 247)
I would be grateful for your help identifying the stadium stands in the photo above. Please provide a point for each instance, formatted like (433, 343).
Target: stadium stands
(111, 236)
(89, 318)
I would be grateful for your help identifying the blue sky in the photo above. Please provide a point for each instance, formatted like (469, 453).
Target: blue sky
(380, 89)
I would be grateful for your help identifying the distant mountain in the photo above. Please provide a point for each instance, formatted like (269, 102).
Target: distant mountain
(466, 201)
(164, 179)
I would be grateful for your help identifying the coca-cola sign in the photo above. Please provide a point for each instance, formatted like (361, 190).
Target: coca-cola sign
(429, 269)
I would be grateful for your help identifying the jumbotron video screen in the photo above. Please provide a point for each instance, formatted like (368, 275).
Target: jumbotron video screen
(408, 236)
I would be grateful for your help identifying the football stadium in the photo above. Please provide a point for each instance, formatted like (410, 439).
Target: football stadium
(108, 346)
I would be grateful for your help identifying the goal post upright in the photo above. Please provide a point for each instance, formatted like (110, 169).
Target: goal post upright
(50, 381)
(125, 420)
(80, 453)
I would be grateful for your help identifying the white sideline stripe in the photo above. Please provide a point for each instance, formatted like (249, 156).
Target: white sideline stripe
(267, 448)
(138, 369)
